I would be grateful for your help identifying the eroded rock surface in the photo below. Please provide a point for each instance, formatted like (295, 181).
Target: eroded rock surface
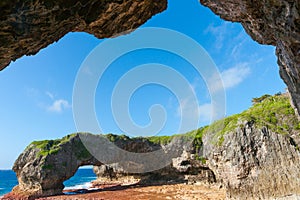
(258, 157)
(44, 165)
(257, 163)
(273, 22)
(254, 154)
(28, 26)
(183, 169)
(183, 165)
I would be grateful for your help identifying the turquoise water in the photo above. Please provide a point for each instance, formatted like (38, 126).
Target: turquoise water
(8, 180)
(81, 180)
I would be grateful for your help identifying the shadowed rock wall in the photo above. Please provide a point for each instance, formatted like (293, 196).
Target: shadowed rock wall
(28, 26)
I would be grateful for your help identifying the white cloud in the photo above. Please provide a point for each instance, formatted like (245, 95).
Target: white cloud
(55, 105)
(200, 114)
(192, 110)
(219, 32)
(229, 78)
(238, 44)
(59, 105)
(235, 75)
(87, 70)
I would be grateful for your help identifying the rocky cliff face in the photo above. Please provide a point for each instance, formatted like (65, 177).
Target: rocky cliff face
(256, 163)
(273, 22)
(254, 154)
(28, 26)
(184, 168)
(258, 156)
(44, 166)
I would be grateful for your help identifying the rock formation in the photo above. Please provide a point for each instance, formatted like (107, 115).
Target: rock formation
(184, 168)
(258, 155)
(271, 22)
(256, 163)
(44, 165)
(28, 26)
(254, 154)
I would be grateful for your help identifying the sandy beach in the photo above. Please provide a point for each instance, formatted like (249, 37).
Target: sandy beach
(139, 192)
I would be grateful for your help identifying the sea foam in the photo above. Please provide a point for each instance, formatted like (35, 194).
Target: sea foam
(86, 186)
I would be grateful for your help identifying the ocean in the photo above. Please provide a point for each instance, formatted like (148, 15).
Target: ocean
(81, 180)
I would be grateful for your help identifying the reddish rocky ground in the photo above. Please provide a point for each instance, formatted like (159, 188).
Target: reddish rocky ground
(137, 192)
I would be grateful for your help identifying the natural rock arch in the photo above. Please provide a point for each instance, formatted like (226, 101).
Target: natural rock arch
(44, 166)
(28, 26)
(256, 155)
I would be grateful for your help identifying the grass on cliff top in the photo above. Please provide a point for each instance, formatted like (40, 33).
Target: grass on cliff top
(189, 136)
(274, 112)
(50, 146)
(161, 140)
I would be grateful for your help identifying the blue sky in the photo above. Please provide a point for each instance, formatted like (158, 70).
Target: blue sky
(36, 101)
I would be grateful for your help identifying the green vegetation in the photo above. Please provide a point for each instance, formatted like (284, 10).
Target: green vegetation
(52, 147)
(273, 112)
(113, 138)
(48, 147)
(202, 159)
(260, 99)
(163, 140)
(48, 167)
(80, 151)
(189, 136)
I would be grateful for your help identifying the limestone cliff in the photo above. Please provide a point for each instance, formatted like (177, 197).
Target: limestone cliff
(44, 165)
(28, 26)
(254, 154)
(183, 169)
(256, 163)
